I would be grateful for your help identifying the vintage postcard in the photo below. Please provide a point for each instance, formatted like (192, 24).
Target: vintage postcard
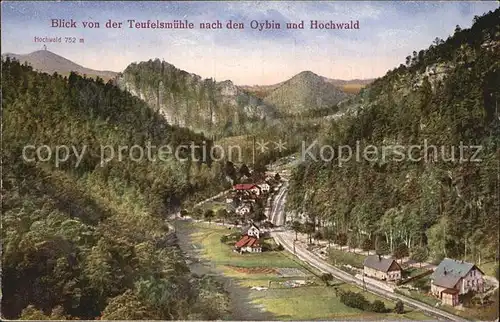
(250, 160)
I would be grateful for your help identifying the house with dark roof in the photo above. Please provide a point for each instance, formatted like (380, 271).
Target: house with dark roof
(453, 278)
(386, 269)
(250, 242)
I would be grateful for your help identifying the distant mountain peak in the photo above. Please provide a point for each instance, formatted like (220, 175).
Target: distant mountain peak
(303, 92)
(50, 62)
(308, 75)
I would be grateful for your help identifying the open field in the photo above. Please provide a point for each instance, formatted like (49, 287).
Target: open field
(352, 88)
(310, 302)
(208, 238)
(216, 205)
(339, 257)
(320, 302)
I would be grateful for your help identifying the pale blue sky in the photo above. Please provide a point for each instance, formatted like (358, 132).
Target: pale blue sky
(389, 31)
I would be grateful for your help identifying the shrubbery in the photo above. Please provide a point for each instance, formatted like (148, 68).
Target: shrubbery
(326, 278)
(378, 306)
(269, 245)
(355, 300)
(231, 238)
(400, 307)
(359, 301)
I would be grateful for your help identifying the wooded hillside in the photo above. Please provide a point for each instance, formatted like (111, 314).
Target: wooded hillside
(91, 240)
(445, 95)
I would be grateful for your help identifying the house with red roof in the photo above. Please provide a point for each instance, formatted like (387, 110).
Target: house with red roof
(248, 188)
(250, 241)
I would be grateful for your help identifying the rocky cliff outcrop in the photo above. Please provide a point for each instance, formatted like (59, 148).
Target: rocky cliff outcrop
(187, 100)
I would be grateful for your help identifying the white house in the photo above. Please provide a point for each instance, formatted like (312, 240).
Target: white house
(252, 230)
(255, 190)
(250, 241)
(386, 269)
(453, 278)
(264, 187)
(243, 210)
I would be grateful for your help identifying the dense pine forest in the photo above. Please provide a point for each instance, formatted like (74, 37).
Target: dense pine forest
(433, 208)
(86, 239)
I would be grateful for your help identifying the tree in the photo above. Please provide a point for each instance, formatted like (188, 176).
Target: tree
(309, 229)
(260, 168)
(296, 227)
(400, 307)
(244, 171)
(400, 251)
(378, 306)
(318, 235)
(128, 306)
(31, 313)
(267, 224)
(328, 234)
(326, 278)
(367, 244)
(208, 215)
(258, 215)
(353, 241)
(198, 212)
(229, 170)
(438, 238)
(414, 58)
(341, 239)
(419, 254)
(381, 246)
(222, 214)
(212, 301)
(354, 300)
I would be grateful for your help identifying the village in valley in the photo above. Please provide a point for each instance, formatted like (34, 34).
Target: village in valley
(252, 229)
(212, 161)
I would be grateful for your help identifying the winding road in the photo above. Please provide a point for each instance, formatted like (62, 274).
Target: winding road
(286, 239)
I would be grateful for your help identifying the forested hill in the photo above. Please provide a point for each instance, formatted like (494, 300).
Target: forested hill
(445, 95)
(85, 239)
(305, 92)
(188, 100)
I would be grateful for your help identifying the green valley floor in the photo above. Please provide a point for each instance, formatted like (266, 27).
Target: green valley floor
(273, 285)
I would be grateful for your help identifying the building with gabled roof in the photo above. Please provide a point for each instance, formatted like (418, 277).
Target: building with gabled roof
(247, 187)
(382, 268)
(453, 278)
(250, 242)
(251, 230)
